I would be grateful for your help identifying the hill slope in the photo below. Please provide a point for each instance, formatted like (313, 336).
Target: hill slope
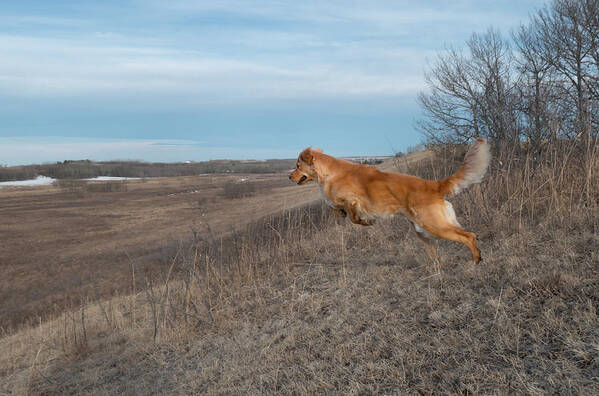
(304, 302)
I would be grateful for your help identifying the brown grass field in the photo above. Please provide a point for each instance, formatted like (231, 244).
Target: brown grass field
(278, 296)
(56, 242)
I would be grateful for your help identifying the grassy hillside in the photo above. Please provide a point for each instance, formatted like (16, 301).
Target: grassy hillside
(307, 303)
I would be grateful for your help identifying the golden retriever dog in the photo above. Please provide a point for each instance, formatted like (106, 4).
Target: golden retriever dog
(364, 193)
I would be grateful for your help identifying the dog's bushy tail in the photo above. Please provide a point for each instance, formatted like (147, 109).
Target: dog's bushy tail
(472, 171)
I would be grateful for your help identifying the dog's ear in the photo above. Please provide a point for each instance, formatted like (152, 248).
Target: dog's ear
(306, 156)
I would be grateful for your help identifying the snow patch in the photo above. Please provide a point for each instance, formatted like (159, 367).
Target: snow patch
(38, 181)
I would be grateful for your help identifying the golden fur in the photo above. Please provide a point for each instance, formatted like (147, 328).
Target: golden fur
(364, 193)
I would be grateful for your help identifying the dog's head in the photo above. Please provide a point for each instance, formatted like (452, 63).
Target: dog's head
(304, 167)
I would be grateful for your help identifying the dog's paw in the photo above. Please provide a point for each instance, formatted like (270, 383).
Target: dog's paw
(340, 212)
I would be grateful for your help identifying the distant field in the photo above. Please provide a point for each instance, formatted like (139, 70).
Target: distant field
(59, 240)
(86, 169)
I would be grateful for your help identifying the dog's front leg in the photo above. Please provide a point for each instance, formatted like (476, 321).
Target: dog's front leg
(354, 216)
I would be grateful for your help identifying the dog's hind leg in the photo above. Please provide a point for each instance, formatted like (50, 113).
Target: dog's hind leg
(429, 246)
(440, 221)
(467, 238)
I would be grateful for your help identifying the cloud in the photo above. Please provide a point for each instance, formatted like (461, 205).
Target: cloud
(391, 15)
(40, 21)
(235, 50)
(176, 144)
(46, 67)
(189, 53)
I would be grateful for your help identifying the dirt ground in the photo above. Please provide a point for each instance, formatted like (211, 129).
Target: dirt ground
(55, 243)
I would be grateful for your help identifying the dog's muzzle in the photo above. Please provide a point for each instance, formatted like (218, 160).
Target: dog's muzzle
(303, 179)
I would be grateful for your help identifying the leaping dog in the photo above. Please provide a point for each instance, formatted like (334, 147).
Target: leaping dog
(364, 193)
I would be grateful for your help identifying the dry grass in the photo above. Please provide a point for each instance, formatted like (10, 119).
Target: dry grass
(305, 303)
(58, 241)
(238, 189)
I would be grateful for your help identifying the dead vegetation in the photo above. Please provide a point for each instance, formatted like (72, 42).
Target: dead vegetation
(238, 189)
(302, 302)
(81, 188)
(60, 241)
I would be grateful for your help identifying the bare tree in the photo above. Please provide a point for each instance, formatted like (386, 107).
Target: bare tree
(567, 45)
(538, 91)
(451, 106)
(591, 18)
(471, 94)
(547, 89)
(492, 62)
(590, 11)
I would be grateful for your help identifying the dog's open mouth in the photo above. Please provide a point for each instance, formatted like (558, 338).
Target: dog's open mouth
(302, 180)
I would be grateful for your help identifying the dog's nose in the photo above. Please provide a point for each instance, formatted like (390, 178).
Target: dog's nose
(289, 177)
